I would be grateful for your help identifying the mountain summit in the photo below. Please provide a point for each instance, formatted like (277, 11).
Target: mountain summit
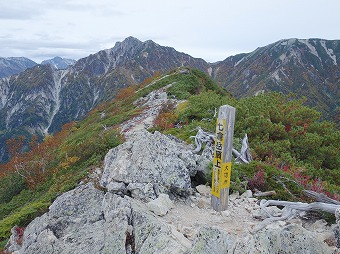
(59, 63)
(41, 99)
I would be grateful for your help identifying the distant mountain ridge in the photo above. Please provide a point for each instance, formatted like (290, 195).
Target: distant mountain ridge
(40, 99)
(14, 65)
(307, 67)
(59, 63)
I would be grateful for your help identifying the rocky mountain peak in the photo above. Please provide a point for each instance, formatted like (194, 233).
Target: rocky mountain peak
(301, 66)
(307, 67)
(59, 62)
(131, 41)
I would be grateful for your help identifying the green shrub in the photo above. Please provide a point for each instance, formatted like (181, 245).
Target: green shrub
(22, 216)
(10, 185)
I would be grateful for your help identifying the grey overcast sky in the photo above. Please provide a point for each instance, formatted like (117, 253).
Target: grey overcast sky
(209, 29)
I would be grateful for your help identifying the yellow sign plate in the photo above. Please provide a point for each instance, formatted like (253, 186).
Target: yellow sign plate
(225, 175)
(221, 171)
(215, 188)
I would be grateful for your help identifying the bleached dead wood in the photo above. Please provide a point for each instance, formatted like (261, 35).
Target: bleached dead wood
(239, 156)
(264, 194)
(203, 137)
(292, 209)
(315, 206)
(320, 197)
(245, 150)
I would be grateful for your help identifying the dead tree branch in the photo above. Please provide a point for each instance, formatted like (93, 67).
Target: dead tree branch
(202, 137)
(291, 210)
(320, 197)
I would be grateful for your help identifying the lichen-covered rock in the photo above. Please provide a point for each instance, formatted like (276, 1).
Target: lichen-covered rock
(337, 228)
(289, 239)
(84, 220)
(151, 158)
(213, 240)
(151, 236)
(14, 241)
(161, 205)
(205, 159)
(88, 220)
(204, 190)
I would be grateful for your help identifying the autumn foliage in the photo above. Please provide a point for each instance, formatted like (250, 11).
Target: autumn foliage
(147, 81)
(33, 165)
(166, 118)
(125, 93)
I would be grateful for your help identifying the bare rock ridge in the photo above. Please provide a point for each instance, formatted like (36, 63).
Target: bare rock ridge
(59, 63)
(145, 202)
(14, 65)
(140, 162)
(41, 99)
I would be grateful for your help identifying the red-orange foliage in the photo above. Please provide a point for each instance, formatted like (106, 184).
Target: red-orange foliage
(147, 81)
(20, 234)
(165, 120)
(258, 180)
(125, 93)
(14, 145)
(32, 165)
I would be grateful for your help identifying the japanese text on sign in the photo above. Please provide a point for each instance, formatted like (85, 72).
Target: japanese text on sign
(219, 168)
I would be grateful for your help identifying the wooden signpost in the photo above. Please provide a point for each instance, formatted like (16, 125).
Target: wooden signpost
(222, 158)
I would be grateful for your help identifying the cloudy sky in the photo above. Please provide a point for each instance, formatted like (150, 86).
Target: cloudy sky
(209, 29)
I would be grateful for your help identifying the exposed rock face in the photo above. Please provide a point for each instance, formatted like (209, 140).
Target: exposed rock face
(88, 220)
(289, 239)
(213, 240)
(79, 220)
(135, 214)
(160, 205)
(14, 65)
(59, 63)
(164, 162)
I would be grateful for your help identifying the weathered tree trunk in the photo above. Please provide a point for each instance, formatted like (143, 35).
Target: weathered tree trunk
(316, 206)
(292, 209)
(264, 194)
(320, 197)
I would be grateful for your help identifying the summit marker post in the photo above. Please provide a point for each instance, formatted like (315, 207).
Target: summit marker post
(222, 158)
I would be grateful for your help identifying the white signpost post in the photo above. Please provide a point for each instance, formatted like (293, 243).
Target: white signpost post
(222, 158)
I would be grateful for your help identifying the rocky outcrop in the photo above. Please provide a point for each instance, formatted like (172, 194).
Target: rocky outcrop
(149, 164)
(147, 204)
(89, 220)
